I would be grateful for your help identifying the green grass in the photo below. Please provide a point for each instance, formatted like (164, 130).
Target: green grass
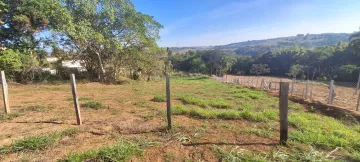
(224, 114)
(188, 99)
(221, 104)
(93, 105)
(37, 142)
(122, 151)
(159, 99)
(324, 131)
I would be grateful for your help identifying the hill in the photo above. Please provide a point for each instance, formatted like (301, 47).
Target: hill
(253, 47)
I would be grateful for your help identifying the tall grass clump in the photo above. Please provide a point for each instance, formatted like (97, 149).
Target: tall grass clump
(122, 151)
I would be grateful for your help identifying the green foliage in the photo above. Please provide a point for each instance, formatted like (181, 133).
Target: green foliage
(122, 151)
(258, 69)
(320, 62)
(159, 99)
(10, 61)
(93, 105)
(294, 70)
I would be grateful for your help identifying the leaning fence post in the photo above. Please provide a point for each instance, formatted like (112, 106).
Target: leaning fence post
(5, 93)
(168, 106)
(283, 106)
(331, 92)
(76, 101)
(307, 89)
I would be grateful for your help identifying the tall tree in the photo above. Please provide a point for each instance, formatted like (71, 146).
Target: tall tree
(110, 34)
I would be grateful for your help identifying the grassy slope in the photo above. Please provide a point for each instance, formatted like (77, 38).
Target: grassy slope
(324, 133)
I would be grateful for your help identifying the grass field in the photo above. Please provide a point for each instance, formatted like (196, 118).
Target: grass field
(212, 121)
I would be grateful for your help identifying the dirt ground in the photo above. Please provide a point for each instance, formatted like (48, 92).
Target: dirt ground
(345, 93)
(124, 117)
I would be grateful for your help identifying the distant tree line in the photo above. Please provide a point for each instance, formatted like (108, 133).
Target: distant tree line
(340, 62)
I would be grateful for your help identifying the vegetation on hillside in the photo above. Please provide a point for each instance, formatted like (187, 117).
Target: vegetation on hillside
(340, 62)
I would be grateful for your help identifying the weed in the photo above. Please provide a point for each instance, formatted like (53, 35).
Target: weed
(93, 105)
(122, 151)
(159, 99)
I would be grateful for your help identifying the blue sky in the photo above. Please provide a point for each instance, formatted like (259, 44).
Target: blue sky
(217, 22)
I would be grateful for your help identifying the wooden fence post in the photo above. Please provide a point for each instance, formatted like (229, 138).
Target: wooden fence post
(76, 100)
(311, 90)
(283, 106)
(331, 89)
(168, 104)
(5, 93)
(270, 84)
(307, 89)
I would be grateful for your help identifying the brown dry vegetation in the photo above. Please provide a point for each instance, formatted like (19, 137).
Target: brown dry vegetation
(128, 113)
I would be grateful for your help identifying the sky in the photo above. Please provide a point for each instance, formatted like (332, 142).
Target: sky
(219, 22)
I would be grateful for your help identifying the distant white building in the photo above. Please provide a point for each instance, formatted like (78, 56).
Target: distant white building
(78, 64)
(51, 71)
(51, 59)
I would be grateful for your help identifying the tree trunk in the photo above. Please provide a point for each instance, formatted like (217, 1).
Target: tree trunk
(102, 69)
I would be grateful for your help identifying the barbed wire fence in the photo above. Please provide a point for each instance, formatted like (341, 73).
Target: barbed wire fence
(341, 94)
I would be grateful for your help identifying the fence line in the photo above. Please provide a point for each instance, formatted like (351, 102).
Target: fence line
(342, 94)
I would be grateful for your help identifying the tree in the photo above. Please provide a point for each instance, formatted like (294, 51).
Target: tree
(10, 61)
(109, 35)
(258, 69)
(295, 70)
(20, 20)
(355, 42)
